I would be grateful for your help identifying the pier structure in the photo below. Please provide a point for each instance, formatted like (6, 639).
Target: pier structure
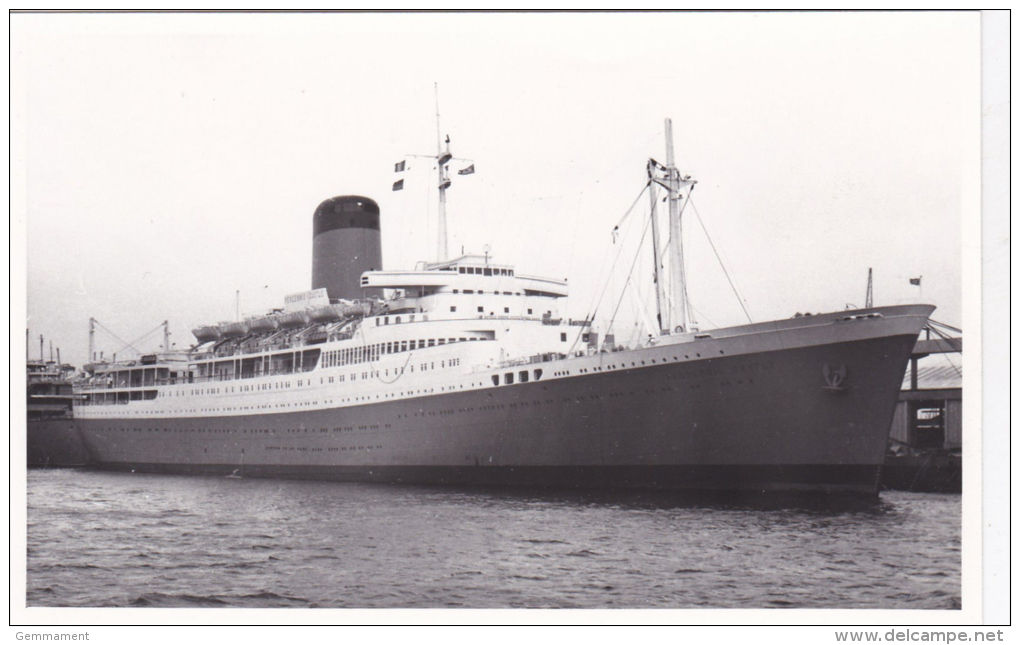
(926, 437)
(929, 411)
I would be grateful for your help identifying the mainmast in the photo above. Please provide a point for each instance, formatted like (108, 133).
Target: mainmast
(669, 178)
(442, 159)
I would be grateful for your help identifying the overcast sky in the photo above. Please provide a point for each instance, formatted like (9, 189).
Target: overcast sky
(163, 162)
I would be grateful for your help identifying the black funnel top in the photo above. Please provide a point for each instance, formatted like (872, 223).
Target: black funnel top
(346, 211)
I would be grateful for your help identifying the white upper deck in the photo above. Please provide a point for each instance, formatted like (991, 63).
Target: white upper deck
(474, 272)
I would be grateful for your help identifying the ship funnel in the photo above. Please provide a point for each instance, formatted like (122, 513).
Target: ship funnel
(345, 243)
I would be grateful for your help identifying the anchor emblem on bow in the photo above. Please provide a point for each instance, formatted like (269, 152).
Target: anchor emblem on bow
(835, 377)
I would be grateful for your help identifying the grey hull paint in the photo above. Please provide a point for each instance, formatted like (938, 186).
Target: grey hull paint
(765, 420)
(53, 443)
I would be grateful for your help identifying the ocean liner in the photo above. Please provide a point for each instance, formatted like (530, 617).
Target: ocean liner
(51, 439)
(464, 371)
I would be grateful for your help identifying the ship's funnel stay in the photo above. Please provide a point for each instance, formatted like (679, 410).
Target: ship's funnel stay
(345, 243)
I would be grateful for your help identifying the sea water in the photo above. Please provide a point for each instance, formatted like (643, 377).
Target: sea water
(100, 539)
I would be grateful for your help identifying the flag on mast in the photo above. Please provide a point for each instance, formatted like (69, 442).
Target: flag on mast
(470, 170)
(398, 185)
(916, 281)
(399, 166)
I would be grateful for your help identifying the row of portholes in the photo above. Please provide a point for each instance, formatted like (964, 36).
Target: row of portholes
(614, 366)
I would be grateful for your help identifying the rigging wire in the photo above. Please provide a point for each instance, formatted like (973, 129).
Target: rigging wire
(123, 342)
(701, 315)
(596, 304)
(647, 323)
(637, 254)
(719, 259)
(147, 334)
(580, 195)
(633, 204)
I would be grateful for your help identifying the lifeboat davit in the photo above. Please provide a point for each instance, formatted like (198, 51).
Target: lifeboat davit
(206, 333)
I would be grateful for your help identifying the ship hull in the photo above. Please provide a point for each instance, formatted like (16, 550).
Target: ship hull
(53, 443)
(758, 421)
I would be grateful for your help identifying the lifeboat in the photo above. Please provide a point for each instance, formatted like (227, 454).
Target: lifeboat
(293, 319)
(326, 313)
(348, 309)
(263, 323)
(233, 329)
(206, 333)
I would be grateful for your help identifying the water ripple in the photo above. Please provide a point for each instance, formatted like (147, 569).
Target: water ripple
(129, 540)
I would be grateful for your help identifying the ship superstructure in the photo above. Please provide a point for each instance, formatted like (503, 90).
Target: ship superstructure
(445, 326)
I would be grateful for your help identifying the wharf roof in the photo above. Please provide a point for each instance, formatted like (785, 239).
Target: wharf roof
(937, 372)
